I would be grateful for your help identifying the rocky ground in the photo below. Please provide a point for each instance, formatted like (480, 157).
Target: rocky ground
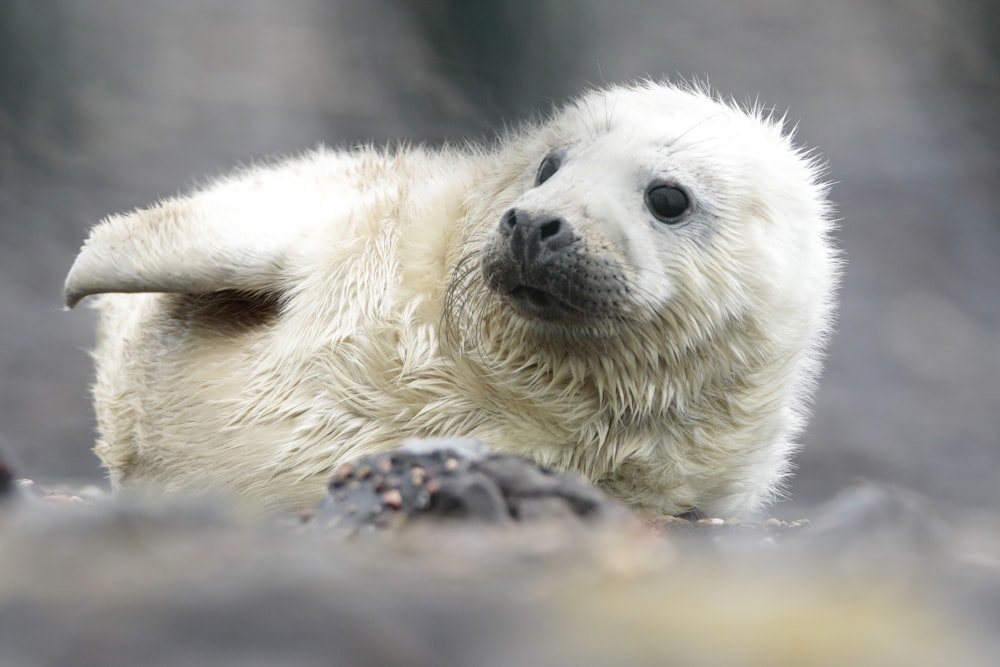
(451, 557)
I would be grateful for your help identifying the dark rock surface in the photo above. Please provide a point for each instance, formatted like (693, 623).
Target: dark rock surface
(126, 581)
(115, 105)
(455, 479)
(879, 577)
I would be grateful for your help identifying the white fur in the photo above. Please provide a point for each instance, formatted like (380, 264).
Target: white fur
(365, 328)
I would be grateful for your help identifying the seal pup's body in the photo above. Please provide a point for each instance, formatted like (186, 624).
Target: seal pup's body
(637, 289)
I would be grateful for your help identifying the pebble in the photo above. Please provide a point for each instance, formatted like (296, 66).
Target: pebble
(385, 465)
(343, 473)
(711, 521)
(393, 499)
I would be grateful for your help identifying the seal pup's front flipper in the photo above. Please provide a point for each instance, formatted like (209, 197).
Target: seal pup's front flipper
(221, 239)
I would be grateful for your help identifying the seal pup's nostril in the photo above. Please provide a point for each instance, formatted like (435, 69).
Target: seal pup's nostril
(509, 220)
(550, 228)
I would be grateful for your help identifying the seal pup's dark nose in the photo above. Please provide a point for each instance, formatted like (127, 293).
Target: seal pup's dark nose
(535, 239)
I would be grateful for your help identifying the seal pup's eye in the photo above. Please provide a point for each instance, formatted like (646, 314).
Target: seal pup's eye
(668, 203)
(549, 166)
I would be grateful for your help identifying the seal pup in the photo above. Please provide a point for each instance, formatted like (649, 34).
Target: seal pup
(637, 289)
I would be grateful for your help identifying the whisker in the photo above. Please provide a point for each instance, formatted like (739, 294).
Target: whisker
(670, 144)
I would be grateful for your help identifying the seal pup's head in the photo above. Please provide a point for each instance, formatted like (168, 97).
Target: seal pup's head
(657, 262)
(660, 205)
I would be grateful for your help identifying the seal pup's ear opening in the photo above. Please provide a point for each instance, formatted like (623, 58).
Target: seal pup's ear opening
(184, 245)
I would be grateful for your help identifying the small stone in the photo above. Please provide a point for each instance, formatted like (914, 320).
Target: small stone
(342, 474)
(774, 523)
(385, 465)
(711, 521)
(393, 499)
(433, 486)
(798, 523)
(378, 483)
(451, 464)
(417, 476)
(364, 472)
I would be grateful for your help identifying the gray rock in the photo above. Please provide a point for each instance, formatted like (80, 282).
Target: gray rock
(455, 479)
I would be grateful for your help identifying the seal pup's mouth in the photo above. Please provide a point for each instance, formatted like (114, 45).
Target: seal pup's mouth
(539, 303)
(536, 297)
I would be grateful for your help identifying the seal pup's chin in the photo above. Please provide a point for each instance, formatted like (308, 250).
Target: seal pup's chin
(556, 313)
(536, 313)
(547, 309)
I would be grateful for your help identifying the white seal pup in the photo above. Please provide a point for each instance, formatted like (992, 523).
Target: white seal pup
(637, 289)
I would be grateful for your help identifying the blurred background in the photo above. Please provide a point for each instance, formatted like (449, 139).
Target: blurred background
(111, 104)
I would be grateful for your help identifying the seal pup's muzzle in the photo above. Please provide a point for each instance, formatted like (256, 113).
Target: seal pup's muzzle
(539, 264)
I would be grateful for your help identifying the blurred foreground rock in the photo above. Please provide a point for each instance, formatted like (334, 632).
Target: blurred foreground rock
(457, 479)
(151, 581)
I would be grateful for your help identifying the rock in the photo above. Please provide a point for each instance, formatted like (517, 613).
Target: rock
(869, 518)
(147, 581)
(711, 521)
(452, 478)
